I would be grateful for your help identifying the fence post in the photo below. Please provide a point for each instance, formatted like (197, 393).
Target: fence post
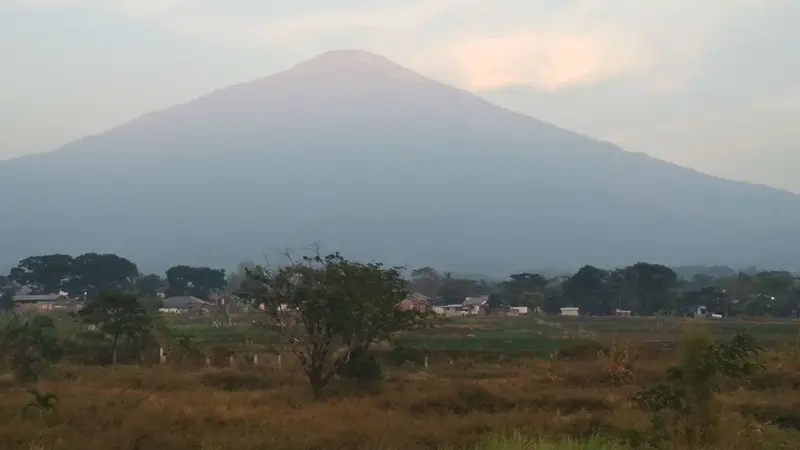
(162, 358)
(280, 361)
(230, 360)
(426, 362)
(208, 360)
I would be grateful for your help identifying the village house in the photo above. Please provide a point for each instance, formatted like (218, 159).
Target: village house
(186, 305)
(570, 311)
(474, 305)
(517, 311)
(45, 302)
(417, 301)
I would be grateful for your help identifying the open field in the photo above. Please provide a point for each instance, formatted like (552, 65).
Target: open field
(491, 383)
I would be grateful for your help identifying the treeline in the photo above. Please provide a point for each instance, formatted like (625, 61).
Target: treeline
(642, 288)
(87, 275)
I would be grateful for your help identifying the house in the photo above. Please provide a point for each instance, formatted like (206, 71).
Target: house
(518, 310)
(700, 311)
(570, 311)
(453, 310)
(186, 305)
(622, 312)
(474, 305)
(416, 301)
(45, 302)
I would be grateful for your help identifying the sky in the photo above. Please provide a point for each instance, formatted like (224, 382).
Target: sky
(709, 84)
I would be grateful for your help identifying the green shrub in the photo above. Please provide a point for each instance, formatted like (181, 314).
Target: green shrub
(361, 367)
(683, 406)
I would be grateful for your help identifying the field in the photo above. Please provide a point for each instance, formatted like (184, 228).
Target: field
(493, 383)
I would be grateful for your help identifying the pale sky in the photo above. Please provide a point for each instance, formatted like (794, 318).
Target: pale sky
(711, 84)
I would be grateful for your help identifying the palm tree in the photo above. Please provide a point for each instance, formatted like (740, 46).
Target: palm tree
(42, 402)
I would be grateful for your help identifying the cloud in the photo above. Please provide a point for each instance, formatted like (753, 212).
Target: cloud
(541, 60)
(477, 44)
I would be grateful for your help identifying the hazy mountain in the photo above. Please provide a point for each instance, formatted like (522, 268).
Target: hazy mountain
(379, 162)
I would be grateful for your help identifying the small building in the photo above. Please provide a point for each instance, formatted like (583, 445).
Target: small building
(518, 311)
(474, 305)
(622, 312)
(570, 311)
(45, 302)
(186, 305)
(453, 310)
(700, 311)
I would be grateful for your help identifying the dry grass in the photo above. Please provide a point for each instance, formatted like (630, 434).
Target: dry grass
(575, 395)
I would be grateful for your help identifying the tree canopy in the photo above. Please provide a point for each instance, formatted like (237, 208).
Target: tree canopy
(325, 308)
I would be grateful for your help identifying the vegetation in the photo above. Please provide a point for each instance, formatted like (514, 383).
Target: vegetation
(120, 374)
(327, 309)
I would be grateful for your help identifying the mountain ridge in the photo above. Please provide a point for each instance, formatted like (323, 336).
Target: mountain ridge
(223, 164)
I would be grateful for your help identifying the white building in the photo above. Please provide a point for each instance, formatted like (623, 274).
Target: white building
(518, 310)
(570, 311)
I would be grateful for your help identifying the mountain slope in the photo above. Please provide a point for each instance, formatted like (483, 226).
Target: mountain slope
(379, 162)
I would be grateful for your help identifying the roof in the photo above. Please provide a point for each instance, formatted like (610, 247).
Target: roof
(184, 302)
(476, 301)
(40, 297)
(416, 297)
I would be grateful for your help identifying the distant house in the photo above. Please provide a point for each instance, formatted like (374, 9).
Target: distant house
(622, 312)
(186, 305)
(45, 302)
(518, 310)
(416, 301)
(452, 310)
(474, 305)
(700, 311)
(570, 311)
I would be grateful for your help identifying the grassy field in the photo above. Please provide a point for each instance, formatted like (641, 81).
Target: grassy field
(491, 383)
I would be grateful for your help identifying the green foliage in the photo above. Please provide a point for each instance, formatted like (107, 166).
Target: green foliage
(28, 347)
(6, 300)
(361, 367)
(90, 273)
(683, 406)
(325, 308)
(42, 402)
(121, 317)
(199, 282)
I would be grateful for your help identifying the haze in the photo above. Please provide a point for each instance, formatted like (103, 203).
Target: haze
(707, 84)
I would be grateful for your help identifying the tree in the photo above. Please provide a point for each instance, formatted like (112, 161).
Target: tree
(29, 346)
(6, 300)
(45, 274)
(525, 289)
(120, 316)
(92, 273)
(149, 285)
(593, 290)
(455, 290)
(496, 302)
(325, 309)
(427, 281)
(199, 282)
(682, 404)
(237, 280)
(651, 286)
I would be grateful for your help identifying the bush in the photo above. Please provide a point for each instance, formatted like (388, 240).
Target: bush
(683, 406)
(361, 367)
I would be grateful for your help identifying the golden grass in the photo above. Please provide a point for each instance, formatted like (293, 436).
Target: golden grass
(461, 405)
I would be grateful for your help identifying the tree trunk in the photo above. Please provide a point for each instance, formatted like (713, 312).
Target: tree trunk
(317, 381)
(114, 352)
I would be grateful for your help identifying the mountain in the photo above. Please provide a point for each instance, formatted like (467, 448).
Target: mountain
(372, 159)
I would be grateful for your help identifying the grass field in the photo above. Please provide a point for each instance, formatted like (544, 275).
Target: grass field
(491, 383)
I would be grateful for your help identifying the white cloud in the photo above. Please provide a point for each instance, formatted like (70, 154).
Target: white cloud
(478, 44)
